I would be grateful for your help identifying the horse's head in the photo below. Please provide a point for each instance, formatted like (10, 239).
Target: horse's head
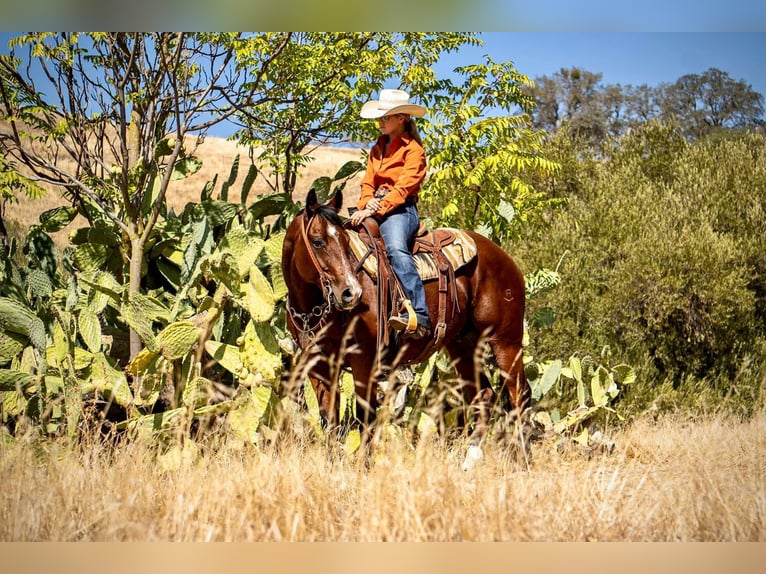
(326, 244)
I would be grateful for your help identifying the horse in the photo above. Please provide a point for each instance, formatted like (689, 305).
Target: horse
(332, 313)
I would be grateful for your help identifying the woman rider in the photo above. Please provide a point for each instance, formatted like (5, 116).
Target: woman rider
(396, 168)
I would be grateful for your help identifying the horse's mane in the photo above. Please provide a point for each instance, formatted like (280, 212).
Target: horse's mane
(330, 214)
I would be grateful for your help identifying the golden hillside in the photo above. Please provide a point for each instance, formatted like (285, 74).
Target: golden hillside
(217, 155)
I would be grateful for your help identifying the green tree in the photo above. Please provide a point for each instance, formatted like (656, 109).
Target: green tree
(483, 151)
(318, 84)
(575, 97)
(712, 100)
(108, 119)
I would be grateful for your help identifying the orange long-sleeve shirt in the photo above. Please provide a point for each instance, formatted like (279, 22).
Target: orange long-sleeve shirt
(401, 172)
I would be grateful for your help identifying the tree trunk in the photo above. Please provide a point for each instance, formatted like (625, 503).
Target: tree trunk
(134, 285)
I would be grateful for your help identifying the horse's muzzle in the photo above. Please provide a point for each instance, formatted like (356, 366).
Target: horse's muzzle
(349, 297)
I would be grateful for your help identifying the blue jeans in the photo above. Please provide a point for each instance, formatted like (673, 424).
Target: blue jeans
(398, 230)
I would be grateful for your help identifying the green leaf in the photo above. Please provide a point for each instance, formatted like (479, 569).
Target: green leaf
(581, 393)
(258, 296)
(90, 329)
(245, 246)
(274, 246)
(426, 426)
(450, 209)
(575, 367)
(322, 187)
(39, 283)
(598, 384)
(185, 167)
(110, 382)
(154, 422)
(154, 186)
(252, 173)
(144, 361)
(11, 345)
(41, 250)
(103, 289)
(273, 204)
(352, 442)
(348, 169)
(574, 418)
(255, 406)
(219, 212)
(312, 406)
(227, 356)
(57, 218)
(278, 282)
(18, 318)
(196, 392)
(11, 380)
(96, 234)
(546, 382)
(261, 353)
(178, 339)
(626, 375)
(223, 268)
(82, 358)
(347, 396)
(232, 178)
(90, 257)
(133, 314)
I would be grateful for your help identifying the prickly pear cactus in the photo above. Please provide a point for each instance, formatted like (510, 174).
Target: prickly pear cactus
(178, 339)
(256, 360)
(260, 353)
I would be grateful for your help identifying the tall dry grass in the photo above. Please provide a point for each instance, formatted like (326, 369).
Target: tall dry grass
(671, 480)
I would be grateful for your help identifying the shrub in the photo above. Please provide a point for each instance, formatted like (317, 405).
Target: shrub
(665, 257)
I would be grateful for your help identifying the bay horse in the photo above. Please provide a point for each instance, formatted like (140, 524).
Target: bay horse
(332, 312)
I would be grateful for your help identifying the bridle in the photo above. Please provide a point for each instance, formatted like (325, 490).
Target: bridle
(320, 312)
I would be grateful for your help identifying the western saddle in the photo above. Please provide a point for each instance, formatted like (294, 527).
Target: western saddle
(438, 253)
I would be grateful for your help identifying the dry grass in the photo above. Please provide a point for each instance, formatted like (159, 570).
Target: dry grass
(672, 480)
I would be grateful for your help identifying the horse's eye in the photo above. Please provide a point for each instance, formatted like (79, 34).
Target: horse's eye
(317, 243)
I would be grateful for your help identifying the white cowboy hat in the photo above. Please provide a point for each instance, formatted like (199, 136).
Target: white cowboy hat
(391, 102)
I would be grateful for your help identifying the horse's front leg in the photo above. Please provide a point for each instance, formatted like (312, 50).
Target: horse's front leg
(366, 387)
(324, 382)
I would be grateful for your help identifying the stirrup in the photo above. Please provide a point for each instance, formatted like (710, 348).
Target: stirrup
(412, 319)
(407, 324)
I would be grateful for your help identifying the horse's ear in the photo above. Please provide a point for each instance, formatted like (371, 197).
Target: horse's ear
(311, 201)
(337, 201)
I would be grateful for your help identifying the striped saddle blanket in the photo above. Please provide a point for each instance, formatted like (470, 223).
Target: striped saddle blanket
(459, 250)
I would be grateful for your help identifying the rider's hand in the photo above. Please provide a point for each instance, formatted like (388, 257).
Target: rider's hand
(360, 215)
